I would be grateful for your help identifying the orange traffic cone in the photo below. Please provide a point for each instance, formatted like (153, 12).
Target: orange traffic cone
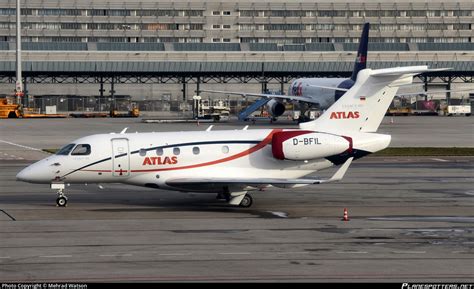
(345, 218)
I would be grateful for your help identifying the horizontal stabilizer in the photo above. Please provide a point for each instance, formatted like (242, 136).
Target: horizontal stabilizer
(405, 70)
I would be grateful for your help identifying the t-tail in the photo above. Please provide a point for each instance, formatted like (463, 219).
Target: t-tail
(362, 108)
(357, 115)
(361, 59)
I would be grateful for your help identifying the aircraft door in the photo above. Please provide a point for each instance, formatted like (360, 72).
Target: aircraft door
(120, 157)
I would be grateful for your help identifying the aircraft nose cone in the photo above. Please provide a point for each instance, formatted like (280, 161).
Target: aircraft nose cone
(35, 173)
(24, 175)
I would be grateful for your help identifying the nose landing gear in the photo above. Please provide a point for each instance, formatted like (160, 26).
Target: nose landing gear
(61, 201)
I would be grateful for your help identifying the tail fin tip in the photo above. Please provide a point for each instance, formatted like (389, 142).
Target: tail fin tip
(361, 59)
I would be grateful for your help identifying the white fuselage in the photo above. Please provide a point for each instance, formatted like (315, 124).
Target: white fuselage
(322, 96)
(146, 159)
(237, 154)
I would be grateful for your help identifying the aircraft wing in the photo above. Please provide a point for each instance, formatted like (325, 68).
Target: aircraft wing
(329, 87)
(265, 95)
(258, 182)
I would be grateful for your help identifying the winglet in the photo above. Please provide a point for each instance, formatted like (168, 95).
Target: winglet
(340, 172)
(124, 130)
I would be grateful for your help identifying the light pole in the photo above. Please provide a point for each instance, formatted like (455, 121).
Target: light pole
(19, 80)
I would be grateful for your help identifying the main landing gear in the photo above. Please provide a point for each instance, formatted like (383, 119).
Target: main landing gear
(241, 199)
(61, 201)
(305, 113)
(246, 201)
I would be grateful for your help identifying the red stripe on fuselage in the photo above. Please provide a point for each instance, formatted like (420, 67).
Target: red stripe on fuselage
(279, 138)
(349, 139)
(259, 146)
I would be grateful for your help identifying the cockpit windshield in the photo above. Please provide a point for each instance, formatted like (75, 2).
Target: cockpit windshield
(82, 150)
(65, 150)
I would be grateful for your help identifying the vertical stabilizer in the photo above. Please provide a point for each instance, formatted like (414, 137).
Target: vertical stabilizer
(361, 59)
(362, 108)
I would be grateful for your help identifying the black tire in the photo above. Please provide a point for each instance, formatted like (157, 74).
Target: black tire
(303, 119)
(246, 201)
(12, 114)
(61, 201)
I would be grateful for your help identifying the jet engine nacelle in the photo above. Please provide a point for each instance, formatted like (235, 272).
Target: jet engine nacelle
(275, 108)
(308, 145)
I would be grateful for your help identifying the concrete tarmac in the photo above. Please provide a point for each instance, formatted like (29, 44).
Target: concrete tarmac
(411, 218)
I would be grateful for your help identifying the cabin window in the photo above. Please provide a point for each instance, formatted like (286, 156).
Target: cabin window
(66, 150)
(196, 150)
(176, 151)
(225, 149)
(81, 150)
(159, 151)
(142, 152)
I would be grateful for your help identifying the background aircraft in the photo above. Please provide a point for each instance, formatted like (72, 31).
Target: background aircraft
(316, 92)
(232, 163)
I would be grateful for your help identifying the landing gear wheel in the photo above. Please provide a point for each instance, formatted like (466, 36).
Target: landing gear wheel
(61, 201)
(303, 118)
(246, 201)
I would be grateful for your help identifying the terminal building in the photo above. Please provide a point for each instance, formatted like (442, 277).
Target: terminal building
(163, 51)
